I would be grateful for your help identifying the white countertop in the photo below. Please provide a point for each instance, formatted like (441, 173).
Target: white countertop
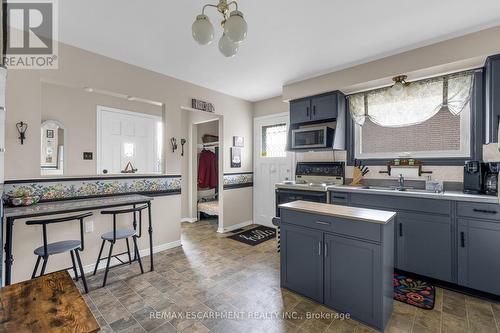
(446, 195)
(346, 212)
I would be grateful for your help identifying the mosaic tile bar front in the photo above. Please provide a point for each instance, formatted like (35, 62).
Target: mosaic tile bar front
(75, 188)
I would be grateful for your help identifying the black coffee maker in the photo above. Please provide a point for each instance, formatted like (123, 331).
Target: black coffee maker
(481, 178)
(473, 177)
(490, 178)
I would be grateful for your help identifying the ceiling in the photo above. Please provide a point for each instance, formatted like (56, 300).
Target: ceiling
(287, 40)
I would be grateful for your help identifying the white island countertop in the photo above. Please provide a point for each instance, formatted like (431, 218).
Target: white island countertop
(346, 212)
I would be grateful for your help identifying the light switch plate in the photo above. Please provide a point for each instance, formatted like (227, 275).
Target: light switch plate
(89, 226)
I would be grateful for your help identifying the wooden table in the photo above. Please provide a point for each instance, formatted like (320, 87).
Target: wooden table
(12, 214)
(50, 303)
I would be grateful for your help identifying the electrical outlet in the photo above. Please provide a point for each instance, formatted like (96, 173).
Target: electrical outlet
(89, 226)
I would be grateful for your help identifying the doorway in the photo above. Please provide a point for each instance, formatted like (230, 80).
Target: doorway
(272, 164)
(205, 169)
(128, 141)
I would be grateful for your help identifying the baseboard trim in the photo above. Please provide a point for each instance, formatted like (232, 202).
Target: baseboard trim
(144, 253)
(189, 219)
(234, 227)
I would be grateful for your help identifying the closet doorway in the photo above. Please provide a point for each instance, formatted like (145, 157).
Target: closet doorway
(206, 169)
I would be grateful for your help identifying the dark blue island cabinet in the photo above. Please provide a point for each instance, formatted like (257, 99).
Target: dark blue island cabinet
(342, 257)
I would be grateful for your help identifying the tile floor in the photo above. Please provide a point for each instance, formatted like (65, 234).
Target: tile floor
(212, 276)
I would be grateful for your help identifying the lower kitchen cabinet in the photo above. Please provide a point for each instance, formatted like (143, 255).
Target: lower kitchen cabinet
(425, 244)
(352, 269)
(302, 261)
(479, 255)
(337, 262)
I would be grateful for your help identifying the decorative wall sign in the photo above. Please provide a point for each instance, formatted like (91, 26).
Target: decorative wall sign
(201, 105)
(235, 157)
(238, 141)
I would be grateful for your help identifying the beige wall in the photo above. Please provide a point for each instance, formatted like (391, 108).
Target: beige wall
(468, 51)
(270, 106)
(78, 69)
(452, 55)
(26, 238)
(76, 110)
(211, 128)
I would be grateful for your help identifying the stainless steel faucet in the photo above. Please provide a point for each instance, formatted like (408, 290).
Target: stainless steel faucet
(401, 181)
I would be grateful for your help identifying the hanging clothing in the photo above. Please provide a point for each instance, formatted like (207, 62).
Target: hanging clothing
(207, 170)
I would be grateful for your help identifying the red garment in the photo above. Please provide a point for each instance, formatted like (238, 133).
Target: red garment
(207, 170)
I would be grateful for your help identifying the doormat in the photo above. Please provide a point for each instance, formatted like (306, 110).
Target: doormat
(414, 292)
(255, 236)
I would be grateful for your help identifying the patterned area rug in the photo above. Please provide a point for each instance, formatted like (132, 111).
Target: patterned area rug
(414, 292)
(255, 235)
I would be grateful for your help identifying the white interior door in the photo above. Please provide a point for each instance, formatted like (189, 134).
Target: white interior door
(272, 164)
(125, 136)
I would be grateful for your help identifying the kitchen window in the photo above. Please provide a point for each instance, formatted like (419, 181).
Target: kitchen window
(431, 120)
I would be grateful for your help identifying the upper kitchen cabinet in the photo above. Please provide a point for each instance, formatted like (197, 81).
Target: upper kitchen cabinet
(492, 98)
(324, 107)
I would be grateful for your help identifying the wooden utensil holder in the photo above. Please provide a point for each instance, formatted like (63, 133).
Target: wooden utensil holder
(357, 177)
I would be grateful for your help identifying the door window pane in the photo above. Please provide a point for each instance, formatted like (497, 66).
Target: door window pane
(274, 140)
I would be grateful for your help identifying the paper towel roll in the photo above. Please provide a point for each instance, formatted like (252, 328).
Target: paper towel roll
(407, 172)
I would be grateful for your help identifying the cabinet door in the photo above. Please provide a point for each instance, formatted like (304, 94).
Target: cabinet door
(324, 107)
(492, 94)
(302, 261)
(479, 255)
(425, 245)
(353, 277)
(300, 111)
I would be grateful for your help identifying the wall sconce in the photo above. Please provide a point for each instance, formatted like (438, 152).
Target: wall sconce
(21, 128)
(183, 142)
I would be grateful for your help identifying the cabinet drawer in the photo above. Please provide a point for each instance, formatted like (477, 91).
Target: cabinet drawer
(339, 198)
(393, 202)
(479, 210)
(358, 229)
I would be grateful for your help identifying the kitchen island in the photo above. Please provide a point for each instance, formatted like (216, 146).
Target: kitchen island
(342, 257)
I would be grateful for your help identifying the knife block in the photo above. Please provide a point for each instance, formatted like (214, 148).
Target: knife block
(357, 177)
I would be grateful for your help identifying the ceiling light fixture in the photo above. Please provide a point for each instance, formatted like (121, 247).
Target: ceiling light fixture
(235, 28)
(399, 84)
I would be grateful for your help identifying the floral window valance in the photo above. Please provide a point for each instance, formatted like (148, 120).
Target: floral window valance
(418, 102)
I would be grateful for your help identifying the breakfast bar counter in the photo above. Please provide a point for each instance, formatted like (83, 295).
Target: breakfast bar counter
(342, 257)
(12, 214)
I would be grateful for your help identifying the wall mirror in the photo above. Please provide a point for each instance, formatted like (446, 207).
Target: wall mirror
(52, 148)
(86, 131)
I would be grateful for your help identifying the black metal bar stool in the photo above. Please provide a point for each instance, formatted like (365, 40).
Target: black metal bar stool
(117, 234)
(70, 246)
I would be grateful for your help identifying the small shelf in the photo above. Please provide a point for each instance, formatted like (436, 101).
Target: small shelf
(208, 145)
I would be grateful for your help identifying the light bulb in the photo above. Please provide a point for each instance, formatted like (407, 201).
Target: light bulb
(227, 47)
(235, 27)
(397, 89)
(203, 30)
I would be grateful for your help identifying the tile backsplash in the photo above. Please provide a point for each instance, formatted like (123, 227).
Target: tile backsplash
(444, 173)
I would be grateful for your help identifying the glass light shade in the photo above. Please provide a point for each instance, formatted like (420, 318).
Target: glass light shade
(203, 30)
(236, 27)
(227, 47)
(397, 89)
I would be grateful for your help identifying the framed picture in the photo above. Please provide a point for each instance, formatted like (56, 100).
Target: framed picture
(50, 134)
(235, 157)
(238, 141)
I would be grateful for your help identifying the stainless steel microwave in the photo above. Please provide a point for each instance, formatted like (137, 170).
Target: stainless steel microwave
(312, 137)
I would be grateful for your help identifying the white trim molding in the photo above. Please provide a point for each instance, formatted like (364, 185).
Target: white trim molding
(144, 253)
(234, 227)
